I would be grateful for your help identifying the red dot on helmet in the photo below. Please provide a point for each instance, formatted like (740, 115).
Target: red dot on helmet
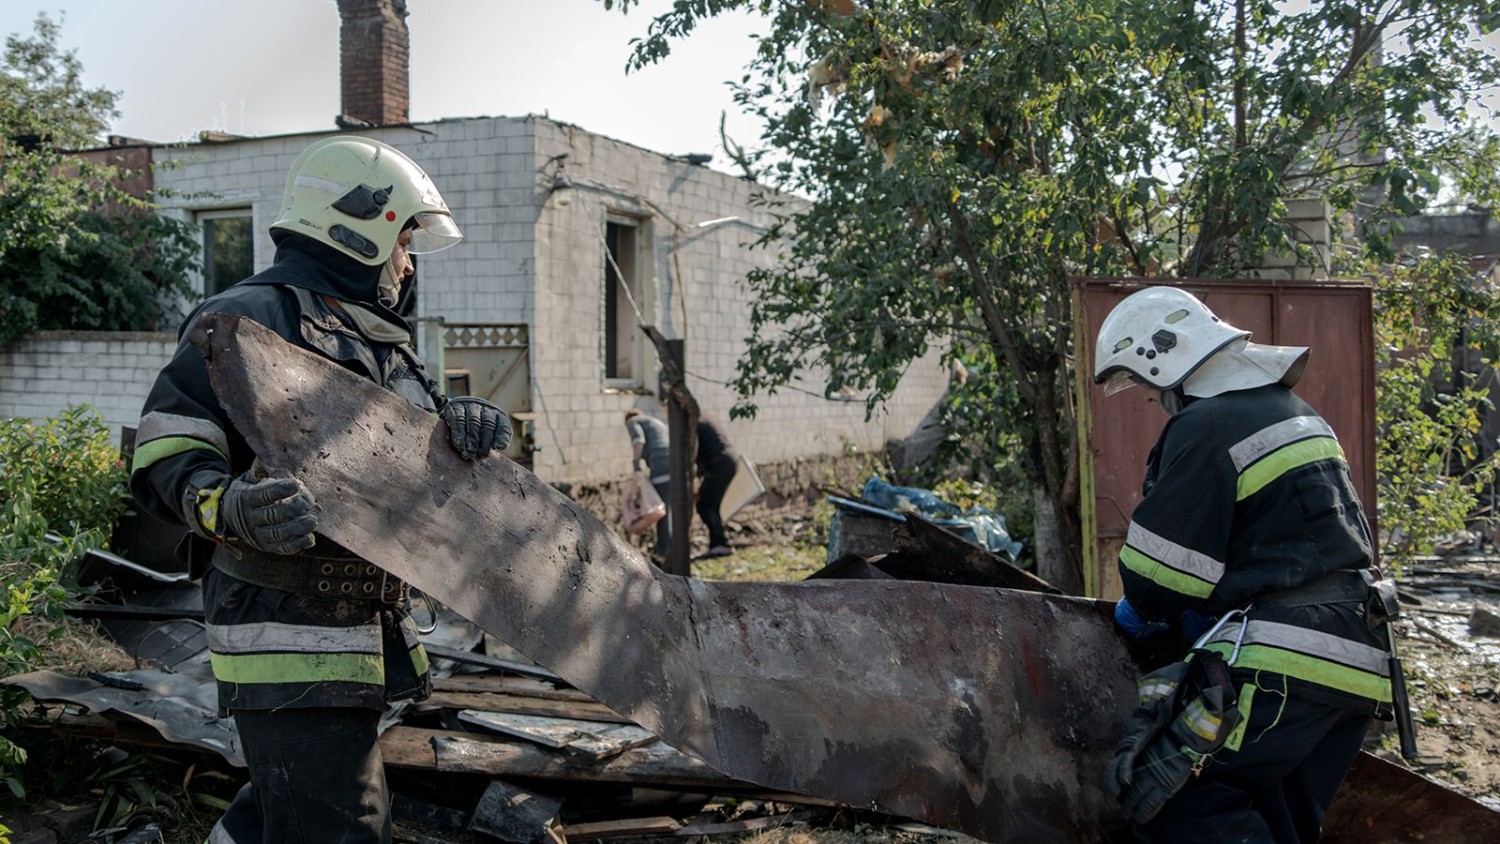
(390, 216)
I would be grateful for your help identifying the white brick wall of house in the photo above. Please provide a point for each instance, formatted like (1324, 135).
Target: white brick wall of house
(46, 371)
(525, 260)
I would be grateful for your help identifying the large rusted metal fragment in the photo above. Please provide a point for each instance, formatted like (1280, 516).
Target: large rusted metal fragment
(988, 711)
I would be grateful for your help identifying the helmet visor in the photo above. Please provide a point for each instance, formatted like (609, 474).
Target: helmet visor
(1120, 379)
(434, 232)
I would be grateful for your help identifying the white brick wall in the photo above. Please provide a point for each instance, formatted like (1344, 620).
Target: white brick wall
(579, 429)
(523, 260)
(44, 372)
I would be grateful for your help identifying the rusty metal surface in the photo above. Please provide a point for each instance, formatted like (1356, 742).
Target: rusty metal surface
(987, 711)
(1332, 318)
(1384, 802)
(982, 710)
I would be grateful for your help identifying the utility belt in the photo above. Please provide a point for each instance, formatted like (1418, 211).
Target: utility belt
(1344, 586)
(335, 573)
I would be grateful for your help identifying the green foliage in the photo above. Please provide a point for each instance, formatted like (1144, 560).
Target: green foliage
(962, 160)
(63, 478)
(79, 252)
(1441, 332)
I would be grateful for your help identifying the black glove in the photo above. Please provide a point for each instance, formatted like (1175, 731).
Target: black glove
(476, 427)
(274, 515)
(1157, 692)
(1160, 772)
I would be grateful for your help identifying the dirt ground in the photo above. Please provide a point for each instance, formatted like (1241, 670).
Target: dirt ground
(1453, 669)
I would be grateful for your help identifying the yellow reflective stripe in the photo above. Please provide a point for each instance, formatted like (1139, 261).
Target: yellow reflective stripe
(1309, 668)
(165, 447)
(419, 659)
(1204, 724)
(158, 425)
(1283, 460)
(1155, 690)
(1272, 437)
(298, 668)
(208, 508)
(1247, 697)
(1292, 637)
(1163, 575)
(1169, 553)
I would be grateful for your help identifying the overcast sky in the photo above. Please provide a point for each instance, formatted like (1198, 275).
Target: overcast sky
(265, 67)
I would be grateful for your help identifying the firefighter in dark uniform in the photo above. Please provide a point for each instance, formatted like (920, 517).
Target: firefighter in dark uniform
(308, 641)
(1250, 538)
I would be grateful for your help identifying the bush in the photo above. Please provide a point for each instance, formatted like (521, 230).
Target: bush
(1439, 334)
(63, 477)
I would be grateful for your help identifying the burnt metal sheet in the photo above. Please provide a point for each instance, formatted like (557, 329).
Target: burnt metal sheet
(1332, 318)
(178, 706)
(987, 711)
(1384, 802)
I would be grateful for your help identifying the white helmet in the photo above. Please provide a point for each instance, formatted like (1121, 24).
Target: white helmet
(357, 194)
(1165, 337)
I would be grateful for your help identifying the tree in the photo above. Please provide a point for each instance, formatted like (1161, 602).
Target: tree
(78, 252)
(965, 158)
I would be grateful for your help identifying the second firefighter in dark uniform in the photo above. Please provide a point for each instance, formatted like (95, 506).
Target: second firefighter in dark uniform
(1249, 531)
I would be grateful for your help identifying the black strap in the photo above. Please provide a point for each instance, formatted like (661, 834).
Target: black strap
(1344, 586)
(334, 574)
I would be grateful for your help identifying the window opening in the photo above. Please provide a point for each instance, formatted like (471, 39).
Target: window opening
(228, 248)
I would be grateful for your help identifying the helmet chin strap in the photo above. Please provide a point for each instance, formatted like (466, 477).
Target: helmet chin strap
(390, 285)
(1172, 400)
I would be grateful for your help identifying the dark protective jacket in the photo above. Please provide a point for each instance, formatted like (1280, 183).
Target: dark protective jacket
(1248, 494)
(271, 648)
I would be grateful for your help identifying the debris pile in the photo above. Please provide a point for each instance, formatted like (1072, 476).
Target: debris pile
(503, 750)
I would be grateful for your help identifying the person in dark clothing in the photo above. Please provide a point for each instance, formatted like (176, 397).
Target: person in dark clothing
(308, 642)
(1251, 539)
(717, 463)
(651, 451)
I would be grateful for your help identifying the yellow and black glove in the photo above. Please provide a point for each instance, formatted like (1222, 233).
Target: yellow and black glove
(274, 515)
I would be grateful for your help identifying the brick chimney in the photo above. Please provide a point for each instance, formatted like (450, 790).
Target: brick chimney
(373, 52)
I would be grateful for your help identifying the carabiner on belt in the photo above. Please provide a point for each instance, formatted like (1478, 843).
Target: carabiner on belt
(432, 610)
(1218, 625)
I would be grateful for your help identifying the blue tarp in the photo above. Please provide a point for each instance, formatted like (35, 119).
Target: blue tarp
(978, 525)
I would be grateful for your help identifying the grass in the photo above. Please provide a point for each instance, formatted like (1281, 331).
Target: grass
(764, 563)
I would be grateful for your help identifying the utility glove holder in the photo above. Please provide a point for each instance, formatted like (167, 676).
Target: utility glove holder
(1188, 711)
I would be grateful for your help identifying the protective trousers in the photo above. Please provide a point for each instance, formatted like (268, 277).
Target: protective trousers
(1275, 788)
(321, 773)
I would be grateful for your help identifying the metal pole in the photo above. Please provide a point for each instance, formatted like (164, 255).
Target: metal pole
(680, 490)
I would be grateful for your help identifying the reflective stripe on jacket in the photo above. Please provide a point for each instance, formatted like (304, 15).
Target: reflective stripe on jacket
(1249, 493)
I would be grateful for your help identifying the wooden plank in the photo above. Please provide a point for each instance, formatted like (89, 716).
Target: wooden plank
(655, 764)
(507, 684)
(621, 828)
(746, 825)
(525, 706)
(487, 661)
(589, 739)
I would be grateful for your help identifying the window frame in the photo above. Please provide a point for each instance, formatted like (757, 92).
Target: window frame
(201, 218)
(636, 269)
